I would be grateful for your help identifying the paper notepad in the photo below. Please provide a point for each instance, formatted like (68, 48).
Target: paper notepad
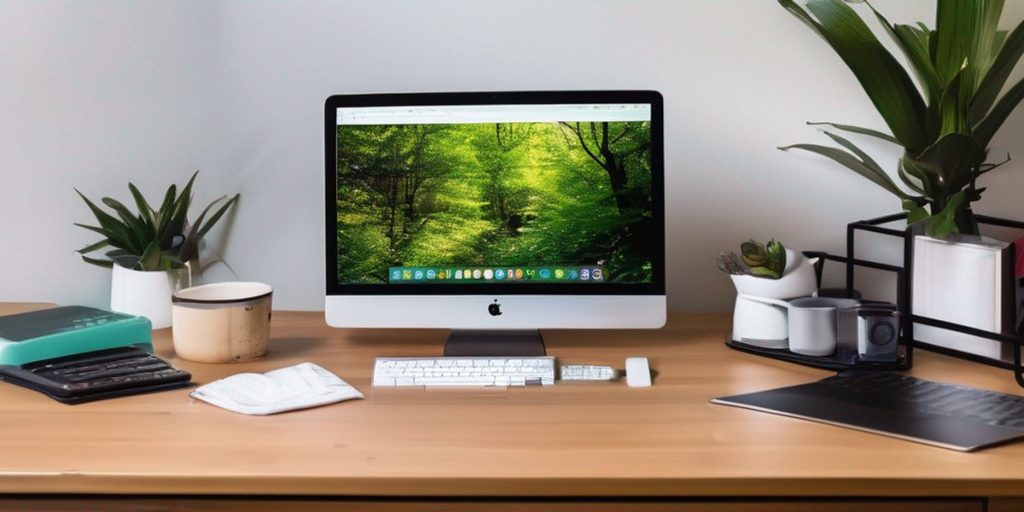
(296, 387)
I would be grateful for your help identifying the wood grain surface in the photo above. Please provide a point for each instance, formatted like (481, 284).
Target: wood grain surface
(568, 440)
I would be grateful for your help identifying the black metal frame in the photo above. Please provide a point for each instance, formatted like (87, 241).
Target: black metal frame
(904, 294)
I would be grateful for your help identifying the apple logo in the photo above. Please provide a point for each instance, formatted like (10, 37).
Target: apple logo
(494, 309)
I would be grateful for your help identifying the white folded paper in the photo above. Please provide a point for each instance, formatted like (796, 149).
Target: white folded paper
(296, 387)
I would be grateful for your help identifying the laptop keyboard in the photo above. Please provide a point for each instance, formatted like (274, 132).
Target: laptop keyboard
(880, 388)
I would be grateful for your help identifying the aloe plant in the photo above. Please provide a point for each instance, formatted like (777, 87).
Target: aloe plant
(151, 239)
(944, 117)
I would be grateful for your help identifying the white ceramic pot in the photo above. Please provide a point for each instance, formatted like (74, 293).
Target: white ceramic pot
(757, 314)
(754, 319)
(968, 280)
(798, 280)
(147, 294)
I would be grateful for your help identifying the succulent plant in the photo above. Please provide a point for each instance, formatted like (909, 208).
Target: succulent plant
(754, 253)
(161, 239)
(944, 121)
(756, 259)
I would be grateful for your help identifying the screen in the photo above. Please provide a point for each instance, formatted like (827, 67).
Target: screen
(509, 194)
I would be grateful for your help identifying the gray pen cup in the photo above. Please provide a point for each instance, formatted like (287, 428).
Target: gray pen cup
(812, 324)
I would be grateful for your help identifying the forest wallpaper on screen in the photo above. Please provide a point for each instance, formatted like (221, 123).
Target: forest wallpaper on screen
(502, 194)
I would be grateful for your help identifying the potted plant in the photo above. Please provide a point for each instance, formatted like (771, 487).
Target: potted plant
(943, 118)
(153, 251)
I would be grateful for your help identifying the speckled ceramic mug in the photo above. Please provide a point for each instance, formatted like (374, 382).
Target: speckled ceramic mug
(221, 322)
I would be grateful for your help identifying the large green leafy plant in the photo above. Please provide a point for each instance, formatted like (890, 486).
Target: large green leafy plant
(945, 120)
(151, 239)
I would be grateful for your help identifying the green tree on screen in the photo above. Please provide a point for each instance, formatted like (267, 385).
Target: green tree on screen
(507, 194)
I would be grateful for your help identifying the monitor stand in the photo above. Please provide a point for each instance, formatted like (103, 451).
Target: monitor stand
(462, 343)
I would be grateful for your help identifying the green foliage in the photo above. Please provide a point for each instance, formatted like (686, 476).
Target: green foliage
(151, 239)
(945, 128)
(519, 194)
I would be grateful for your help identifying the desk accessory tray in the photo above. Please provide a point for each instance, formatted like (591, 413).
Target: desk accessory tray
(843, 362)
(833, 363)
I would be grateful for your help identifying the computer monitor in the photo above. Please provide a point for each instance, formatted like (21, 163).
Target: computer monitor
(495, 214)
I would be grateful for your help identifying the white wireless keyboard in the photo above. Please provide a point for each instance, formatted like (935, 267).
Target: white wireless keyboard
(463, 371)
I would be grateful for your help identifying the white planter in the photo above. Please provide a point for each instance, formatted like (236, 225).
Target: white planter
(759, 313)
(965, 280)
(147, 294)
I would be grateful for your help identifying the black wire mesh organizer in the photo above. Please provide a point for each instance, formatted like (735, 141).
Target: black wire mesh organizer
(904, 303)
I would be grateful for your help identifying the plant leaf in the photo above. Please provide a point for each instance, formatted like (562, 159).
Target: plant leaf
(987, 128)
(105, 219)
(865, 158)
(953, 109)
(993, 82)
(179, 217)
(136, 225)
(99, 230)
(851, 162)
(886, 81)
(915, 213)
(144, 209)
(943, 223)
(123, 258)
(216, 217)
(913, 42)
(950, 160)
(883, 79)
(803, 16)
(92, 247)
(113, 229)
(857, 129)
(98, 262)
(150, 258)
(966, 33)
(921, 186)
(189, 248)
(164, 213)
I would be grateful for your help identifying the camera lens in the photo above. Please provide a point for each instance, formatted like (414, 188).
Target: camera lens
(882, 333)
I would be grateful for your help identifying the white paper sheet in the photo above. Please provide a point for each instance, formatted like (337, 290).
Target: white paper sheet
(296, 387)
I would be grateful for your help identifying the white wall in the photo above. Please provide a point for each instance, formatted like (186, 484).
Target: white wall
(93, 94)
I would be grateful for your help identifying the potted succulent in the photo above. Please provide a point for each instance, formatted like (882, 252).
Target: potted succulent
(152, 252)
(943, 111)
(764, 275)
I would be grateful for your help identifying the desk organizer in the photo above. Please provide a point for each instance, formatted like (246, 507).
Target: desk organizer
(905, 299)
(904, 303)
(906, 341)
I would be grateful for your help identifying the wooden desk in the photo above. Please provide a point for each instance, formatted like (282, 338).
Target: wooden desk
(554, 447)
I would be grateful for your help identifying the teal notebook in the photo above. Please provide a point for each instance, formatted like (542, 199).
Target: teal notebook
(69, 330)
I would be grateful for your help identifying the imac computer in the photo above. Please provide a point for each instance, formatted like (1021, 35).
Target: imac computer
(495, 214)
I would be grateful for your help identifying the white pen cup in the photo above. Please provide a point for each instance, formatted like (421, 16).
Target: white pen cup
(222, 322)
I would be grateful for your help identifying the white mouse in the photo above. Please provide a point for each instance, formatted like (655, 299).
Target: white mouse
(638, 373)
